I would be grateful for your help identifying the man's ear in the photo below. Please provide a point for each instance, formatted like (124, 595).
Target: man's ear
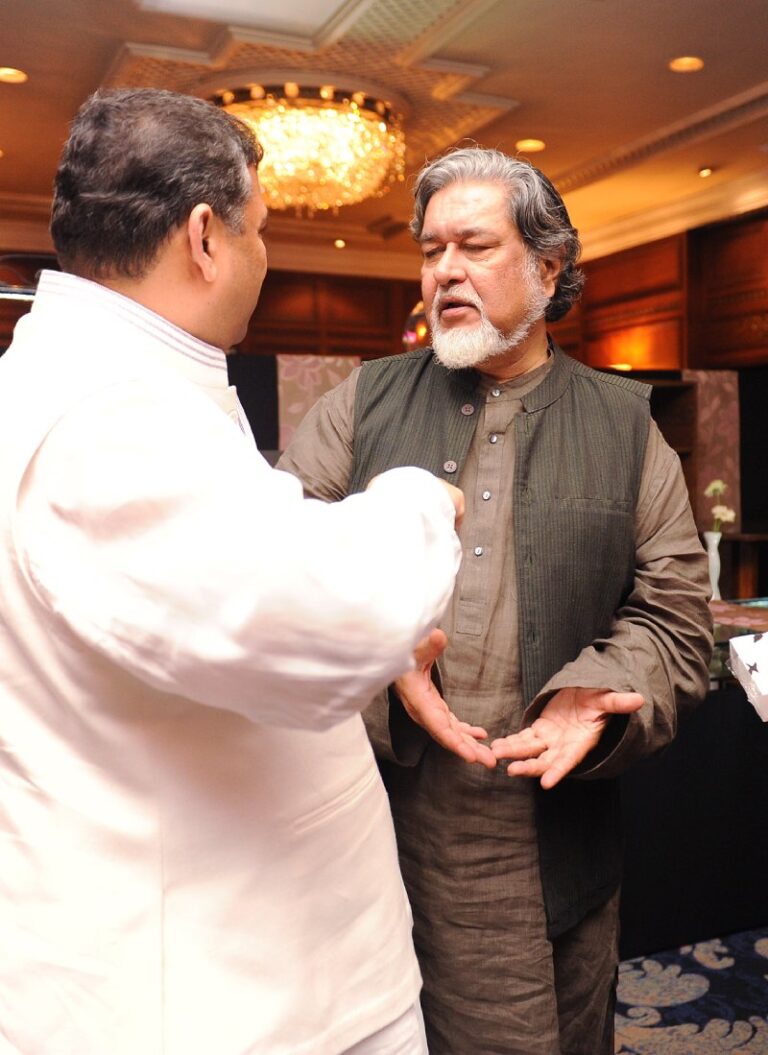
(199, 229)
(549, 269)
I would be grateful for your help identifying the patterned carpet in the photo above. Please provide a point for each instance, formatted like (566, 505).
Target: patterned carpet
(702, 999)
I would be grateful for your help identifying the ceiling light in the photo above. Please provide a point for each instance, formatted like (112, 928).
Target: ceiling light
(530, 146)
(686, 64)
(705, 171)
(9, 75)
(324, 146)
(339, 243)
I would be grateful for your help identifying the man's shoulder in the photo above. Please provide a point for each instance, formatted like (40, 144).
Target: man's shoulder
(618, 385)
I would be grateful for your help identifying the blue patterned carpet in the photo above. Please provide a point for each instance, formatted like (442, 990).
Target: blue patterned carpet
(702, 999)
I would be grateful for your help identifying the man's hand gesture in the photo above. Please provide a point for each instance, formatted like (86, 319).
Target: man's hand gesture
(567, 729)
(428, 709)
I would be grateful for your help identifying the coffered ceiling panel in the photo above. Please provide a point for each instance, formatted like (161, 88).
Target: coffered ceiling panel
(625, 137)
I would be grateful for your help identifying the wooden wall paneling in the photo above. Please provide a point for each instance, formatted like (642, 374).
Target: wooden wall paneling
(10, 313)
(647, 338)
(330, 315)
(729, 302)
(632, 273)
(634, 308)
(674, 406)
(567, 332)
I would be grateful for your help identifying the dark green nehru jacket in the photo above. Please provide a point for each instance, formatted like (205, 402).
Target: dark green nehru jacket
(579, 450)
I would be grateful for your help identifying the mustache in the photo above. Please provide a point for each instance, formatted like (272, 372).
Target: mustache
(463, 296)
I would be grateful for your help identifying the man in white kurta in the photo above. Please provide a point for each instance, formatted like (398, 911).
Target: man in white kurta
(196, 851)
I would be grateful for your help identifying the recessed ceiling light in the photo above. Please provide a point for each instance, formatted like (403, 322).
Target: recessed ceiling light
(705, 171)
(686, 64)
(339, 243)
(2, 154)
(530, 146)
(9, 75)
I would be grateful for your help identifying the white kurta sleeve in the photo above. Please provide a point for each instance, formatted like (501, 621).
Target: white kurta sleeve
(150, 527)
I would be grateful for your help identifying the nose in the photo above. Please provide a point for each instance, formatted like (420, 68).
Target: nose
(450, 267)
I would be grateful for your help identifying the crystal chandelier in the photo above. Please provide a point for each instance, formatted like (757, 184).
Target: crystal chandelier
(324, 145)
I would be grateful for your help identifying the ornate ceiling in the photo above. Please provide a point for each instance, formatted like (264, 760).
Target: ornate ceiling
(625, 136)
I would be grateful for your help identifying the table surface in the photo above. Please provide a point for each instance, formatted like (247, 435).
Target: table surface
(732, 619)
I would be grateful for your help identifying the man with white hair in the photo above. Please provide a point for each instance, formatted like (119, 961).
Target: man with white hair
(578, 628)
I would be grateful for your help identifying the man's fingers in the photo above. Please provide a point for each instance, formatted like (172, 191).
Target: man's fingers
(476, 731)
(465, 745)
(430, 648)
(457, 497)
(621, 702)
(550, 767)
(520, 746)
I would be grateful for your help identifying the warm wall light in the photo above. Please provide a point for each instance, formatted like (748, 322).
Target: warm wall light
(325, 145)
(339, 243)
(530, 146)
(9, 75)
(686, 64)
(416, 331)
(619, 366)
(705, 171)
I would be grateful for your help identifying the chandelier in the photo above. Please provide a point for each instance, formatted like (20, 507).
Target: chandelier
(324, 145)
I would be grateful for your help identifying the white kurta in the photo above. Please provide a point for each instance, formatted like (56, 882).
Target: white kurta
(196, 852)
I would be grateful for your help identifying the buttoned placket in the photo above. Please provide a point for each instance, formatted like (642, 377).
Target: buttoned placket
(493, 435)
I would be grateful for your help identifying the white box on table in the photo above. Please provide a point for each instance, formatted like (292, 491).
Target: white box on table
(749, 663)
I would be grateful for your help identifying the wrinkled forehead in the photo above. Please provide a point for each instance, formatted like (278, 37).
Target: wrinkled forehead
(464, 209)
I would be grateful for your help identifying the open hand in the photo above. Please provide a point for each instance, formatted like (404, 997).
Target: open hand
(567, 729)
(428, 709)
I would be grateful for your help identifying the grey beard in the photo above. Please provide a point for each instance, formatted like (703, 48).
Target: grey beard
(463, 347)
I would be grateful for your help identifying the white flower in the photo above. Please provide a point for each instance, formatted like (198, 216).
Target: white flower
(722, 515)
(715, 487)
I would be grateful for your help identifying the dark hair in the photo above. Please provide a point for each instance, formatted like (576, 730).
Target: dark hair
(136, 163)
(535, 208)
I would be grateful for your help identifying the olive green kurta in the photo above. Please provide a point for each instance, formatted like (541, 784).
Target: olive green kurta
(493, 982)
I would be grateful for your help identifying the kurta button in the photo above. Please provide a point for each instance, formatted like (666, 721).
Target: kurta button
(478, 551)
(495, 392)
(467, 409)
(493, 438)
(450, 467)
(486, 495)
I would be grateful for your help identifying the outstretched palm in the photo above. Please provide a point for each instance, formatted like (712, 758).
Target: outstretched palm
(568, 728)
(428, 709)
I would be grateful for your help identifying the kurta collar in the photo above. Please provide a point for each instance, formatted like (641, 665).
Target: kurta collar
(553, 385)
(103, 309)
(551, 388)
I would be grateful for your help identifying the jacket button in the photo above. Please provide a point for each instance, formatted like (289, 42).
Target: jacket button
(450, 466)
(467, 409)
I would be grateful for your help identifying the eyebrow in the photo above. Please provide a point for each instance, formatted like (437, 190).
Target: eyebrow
(463, 232)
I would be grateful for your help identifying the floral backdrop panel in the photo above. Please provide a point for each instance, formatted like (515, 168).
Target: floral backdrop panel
(717, 443)
(301, 380)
